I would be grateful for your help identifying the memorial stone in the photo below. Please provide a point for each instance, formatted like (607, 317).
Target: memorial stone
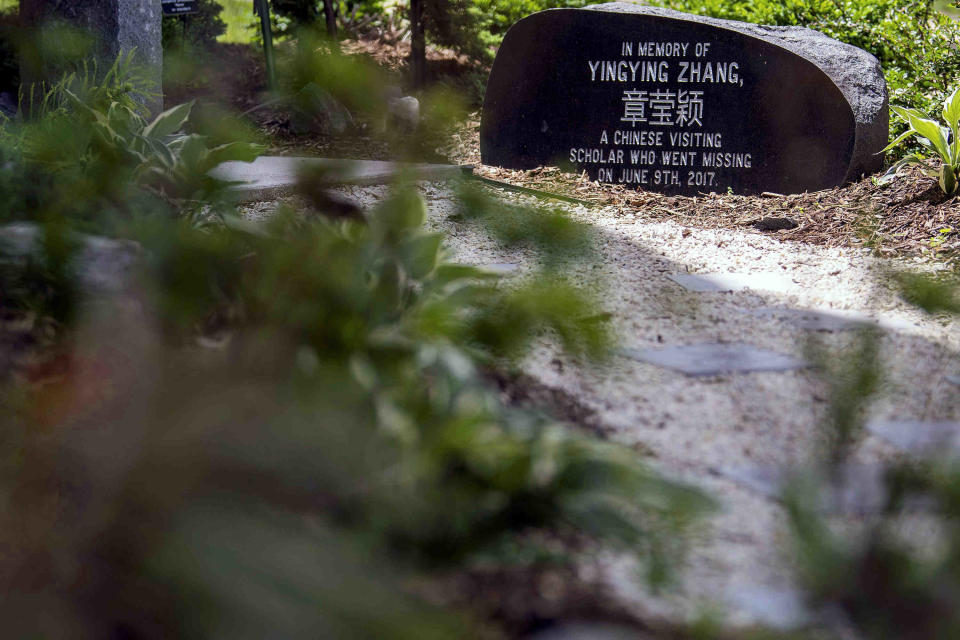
(656, 99)
(117, 26)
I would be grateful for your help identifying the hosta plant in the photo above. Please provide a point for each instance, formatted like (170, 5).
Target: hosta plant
(944, 140)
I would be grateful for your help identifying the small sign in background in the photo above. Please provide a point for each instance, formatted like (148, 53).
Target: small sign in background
(178, 7)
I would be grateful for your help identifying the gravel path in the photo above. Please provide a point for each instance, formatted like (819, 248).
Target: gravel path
(698, 429)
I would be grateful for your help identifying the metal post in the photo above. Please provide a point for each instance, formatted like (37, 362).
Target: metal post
(261, 8)
(418, 49)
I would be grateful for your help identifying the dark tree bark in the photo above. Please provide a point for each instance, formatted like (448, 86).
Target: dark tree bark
(418, 48)
(331, 17)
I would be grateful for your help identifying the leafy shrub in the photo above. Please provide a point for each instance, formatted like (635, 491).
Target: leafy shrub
(122, 82)
(91, 138)
(498, 17)
(916, 45)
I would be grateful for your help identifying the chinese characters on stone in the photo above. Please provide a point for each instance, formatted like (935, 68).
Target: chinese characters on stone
(663, 108)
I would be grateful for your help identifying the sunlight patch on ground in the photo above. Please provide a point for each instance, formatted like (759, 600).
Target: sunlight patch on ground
(241, 25)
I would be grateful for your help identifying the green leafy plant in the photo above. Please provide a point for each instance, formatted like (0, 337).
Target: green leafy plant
(122, 82)
(944, 140)
(160, 154)
(115, 145)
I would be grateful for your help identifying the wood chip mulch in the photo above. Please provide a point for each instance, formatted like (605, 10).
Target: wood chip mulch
(909, 217)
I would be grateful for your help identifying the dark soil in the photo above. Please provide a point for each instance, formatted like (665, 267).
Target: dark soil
(521, 390)
(228, 75)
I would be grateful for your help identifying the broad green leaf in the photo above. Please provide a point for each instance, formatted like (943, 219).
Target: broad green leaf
(447, 273)
(932, 132)
(951, 109)
(158, 149)
(422, 253)
(235, 152)
(900, 139)
(170, 121)
(905, 113)
(192, 151)
(118, 117)
(403, 210)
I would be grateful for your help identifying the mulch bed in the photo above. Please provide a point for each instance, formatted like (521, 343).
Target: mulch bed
(908, 217)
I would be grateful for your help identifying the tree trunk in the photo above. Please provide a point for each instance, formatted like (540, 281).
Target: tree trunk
(418, 49)
(331, 17)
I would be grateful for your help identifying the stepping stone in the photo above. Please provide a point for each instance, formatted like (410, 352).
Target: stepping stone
(814, 320)
(860, 489)
(811, 320)
(104, 266)
(781, 608)
(710, 359)
(271, 177)
(501, 268)
(726, 282)
(914, 436)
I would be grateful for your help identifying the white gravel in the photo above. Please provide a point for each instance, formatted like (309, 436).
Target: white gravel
(689, 427)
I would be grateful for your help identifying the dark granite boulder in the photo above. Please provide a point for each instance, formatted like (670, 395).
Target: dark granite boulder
(103, 266)
(682, 104)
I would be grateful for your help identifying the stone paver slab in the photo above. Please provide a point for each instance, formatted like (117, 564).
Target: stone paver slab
(833, 320)
(710, 358)
(859, 489)
(727, 282)
(915, 436)
(812, 320)
(782, 608)
(270, 177)
(501, 268)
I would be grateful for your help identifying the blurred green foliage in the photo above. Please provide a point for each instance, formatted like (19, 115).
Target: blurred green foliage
(894, 573)
(91, 154)
(333, 443)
